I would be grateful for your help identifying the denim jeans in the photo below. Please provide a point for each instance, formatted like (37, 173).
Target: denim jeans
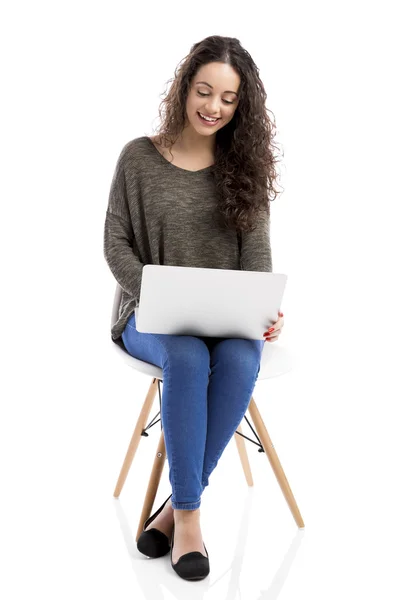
(207, 386)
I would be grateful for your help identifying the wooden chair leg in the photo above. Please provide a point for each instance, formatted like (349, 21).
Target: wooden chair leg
(136, 436)
(274, 461)
(153, 484)
(244, 459)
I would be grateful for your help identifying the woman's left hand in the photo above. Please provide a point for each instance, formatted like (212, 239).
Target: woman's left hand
(272, 333)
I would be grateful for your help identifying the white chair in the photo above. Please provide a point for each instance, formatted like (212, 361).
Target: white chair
(275, 362)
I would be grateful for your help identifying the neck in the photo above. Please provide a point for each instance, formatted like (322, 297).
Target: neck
(193, 143)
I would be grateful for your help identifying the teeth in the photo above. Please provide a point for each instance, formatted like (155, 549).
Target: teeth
(207, 118)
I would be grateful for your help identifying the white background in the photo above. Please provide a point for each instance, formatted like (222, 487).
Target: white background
(81, 79)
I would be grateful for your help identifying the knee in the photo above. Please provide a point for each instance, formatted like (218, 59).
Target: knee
(240, 354)
(190, 351)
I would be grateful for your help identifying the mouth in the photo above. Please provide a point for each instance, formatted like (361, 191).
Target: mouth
(207, 122)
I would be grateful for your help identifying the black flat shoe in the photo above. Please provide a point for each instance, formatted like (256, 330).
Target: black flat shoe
(153, 543)
(192, 566)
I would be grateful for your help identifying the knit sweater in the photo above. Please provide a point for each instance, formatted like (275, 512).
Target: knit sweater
(161, 214)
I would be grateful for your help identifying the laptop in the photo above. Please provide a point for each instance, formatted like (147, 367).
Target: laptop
(208, 302)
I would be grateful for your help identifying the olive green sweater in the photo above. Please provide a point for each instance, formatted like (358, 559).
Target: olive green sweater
(161, 214)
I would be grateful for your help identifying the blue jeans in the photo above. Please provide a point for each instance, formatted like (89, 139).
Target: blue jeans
(207, 386)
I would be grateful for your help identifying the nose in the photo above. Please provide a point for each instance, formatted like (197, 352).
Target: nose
(213, 108)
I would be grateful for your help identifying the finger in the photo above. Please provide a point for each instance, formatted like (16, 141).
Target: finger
(271, 335)
(275, 327)
(271, 339)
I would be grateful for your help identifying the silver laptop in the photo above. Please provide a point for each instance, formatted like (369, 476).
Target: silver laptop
(208, 302)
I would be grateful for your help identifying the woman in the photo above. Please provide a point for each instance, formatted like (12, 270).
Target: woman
(195, 195)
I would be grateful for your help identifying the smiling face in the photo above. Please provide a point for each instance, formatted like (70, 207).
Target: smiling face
(213, 93)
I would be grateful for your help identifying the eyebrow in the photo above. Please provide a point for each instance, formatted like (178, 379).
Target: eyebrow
(226, 92)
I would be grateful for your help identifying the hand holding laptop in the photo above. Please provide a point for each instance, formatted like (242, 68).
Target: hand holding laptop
(271, 334)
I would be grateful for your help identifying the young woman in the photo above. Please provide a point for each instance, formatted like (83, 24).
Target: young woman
(197, 195)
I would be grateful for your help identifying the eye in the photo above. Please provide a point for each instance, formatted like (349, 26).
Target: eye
(204, 95)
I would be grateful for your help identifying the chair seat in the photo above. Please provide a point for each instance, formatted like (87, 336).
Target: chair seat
(275, 361)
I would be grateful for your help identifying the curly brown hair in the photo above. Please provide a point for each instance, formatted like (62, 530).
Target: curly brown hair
(245, 160)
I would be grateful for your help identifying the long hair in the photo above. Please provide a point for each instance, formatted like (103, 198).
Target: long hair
(245, 158)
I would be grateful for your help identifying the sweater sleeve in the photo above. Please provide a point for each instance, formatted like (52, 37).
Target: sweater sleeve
(120, 250)
(255, 251)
